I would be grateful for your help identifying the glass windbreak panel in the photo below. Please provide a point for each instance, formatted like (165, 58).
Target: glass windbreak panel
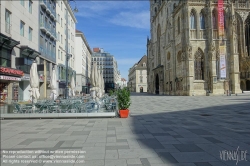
(25, 68)
(27, 62)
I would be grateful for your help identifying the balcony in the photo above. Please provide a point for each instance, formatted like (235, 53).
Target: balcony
(193, 34)
(215, 34)
(43, 4)
(48, 10)
(53, 14)
(53, 35)
(202, 34)
(47, 53)
(43, 26)
(48, 32)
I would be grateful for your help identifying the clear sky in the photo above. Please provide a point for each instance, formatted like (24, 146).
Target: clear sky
(119, 27)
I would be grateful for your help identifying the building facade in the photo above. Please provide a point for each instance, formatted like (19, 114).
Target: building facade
(65, 29)
(107, 65)
(20, 37)
(47, 42)
(138, 76)
(184, 48)
(82, 61)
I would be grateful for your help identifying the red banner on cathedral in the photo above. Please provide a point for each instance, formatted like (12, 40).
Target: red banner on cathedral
(221, 19)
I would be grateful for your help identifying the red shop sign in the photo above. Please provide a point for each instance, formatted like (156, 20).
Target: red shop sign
(6, 70)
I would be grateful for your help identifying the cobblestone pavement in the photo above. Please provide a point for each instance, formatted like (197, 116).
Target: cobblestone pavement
(161, 130)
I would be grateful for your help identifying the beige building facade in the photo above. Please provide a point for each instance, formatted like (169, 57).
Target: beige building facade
(83, 62)
(138, 76)
(65, 29)
(183, 50)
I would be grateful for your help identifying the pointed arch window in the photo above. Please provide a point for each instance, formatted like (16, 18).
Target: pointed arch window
(192, 21)
(225, 20)
(179, 25)
(199, 65)
(214, 20)
(202, 21)
(247, 35)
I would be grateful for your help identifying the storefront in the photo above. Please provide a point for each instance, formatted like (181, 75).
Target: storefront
(10, 79)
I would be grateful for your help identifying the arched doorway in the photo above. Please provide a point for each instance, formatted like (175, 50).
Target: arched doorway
(248, 85)
(141, 89)
(247, 35)
(242, 85)
(157, 86)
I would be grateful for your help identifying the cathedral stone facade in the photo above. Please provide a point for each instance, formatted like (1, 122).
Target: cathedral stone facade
(183, 50)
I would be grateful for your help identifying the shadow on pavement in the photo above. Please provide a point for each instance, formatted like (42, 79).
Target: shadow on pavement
(196, 137)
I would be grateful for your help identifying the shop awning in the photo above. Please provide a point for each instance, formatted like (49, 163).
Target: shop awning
(29, 52)
(7, 42)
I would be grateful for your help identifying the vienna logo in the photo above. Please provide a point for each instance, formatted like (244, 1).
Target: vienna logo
(235, 155)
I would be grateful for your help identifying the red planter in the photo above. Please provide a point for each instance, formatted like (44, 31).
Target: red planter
(124, 113)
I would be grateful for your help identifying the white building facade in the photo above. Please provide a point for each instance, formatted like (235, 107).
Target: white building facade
(107, 65)
(138, 76)
(82, 61)
(65, 29)
(20, 47)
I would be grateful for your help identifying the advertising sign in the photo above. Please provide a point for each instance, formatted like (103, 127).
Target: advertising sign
(10, 78)
(6, 70)
(222, 44)
(223, 72)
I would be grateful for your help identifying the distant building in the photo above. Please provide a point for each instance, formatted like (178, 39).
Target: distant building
(82, 61)
(138, 76)
(123, 82)
(107, 64)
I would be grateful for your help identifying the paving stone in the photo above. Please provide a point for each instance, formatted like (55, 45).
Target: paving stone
(166, 157)
(111, 154)
(202, 164)
(213, 140)
(116, 147)
(121, 140)
(134, 161)
(200, 132)
(145, 162)
(193, 157)
(80, 133)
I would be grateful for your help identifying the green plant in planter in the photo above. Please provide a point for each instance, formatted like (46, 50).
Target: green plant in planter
(111, 92)
(123, 98)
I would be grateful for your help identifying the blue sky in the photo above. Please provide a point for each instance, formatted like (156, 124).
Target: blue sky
(119, 27)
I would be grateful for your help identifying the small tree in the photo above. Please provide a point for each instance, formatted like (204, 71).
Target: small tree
(123, 97)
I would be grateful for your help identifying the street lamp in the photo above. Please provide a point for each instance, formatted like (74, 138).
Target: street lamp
(68, 56)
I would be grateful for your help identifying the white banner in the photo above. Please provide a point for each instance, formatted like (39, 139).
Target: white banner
(10, 78)
(223, 71)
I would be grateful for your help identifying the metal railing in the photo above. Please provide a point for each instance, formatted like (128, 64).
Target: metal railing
(215, 34)
(193, 34)
(202, 34)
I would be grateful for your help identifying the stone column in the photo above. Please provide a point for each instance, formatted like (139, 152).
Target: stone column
(234, 58)
(190, 68)
(9, 95)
